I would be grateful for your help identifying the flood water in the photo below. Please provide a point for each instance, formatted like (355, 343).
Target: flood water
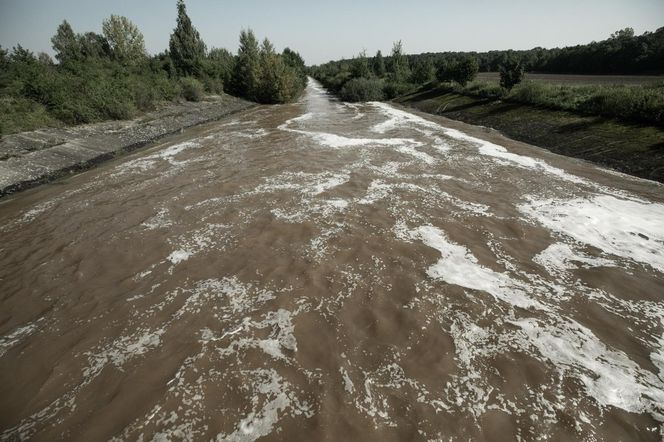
(327, 271)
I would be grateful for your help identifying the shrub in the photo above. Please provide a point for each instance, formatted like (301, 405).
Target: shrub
(362, 89)
(464, 71)
(212, 85)
(394, 89)
(423, 71)
(511, 73)
(483, 89)
(192, 89)
(19, 114)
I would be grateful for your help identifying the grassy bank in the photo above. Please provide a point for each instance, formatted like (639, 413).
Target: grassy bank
(636, 149)
(640, 103)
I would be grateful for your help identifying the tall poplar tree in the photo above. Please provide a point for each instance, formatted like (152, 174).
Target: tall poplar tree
(186, 47)
(246, 74)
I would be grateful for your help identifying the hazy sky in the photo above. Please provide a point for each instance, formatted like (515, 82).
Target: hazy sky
(326, 30)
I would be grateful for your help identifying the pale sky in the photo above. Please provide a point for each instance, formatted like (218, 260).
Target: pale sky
(322, 31)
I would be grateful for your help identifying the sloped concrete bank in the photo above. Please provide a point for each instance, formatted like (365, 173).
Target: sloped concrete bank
(634, 149)
(31, 158)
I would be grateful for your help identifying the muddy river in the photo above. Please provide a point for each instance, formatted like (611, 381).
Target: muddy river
(327, 271)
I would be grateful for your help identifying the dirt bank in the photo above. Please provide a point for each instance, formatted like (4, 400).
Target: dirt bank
(31, 158)
(634, 149)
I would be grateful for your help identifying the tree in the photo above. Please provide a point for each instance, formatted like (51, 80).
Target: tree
(44, 59)
(21, 55)
(360, 66)
(93, 45)
(220, 63)
(422, 71)
(465, 70)
(378, 65)
(511, 72)
(4, 58)
(398, 66)
(626, 33)
(246, 73)
(124, 39)
(443, 72)
(187, 50)
(295, 61)
(66, 44)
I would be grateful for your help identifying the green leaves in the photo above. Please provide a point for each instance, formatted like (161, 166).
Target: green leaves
(186, 46)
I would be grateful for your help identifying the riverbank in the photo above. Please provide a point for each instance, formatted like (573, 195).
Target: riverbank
(40, 156)
(629, 148)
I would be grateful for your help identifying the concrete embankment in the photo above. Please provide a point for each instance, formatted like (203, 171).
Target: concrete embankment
(629, 148)
(31, 158)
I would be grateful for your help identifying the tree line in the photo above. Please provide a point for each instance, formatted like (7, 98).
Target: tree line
(374, 78)
(111, 76)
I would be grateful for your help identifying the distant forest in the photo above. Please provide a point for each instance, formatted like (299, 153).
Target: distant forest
(622, 53)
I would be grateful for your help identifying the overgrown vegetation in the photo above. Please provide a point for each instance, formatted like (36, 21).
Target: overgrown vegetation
(637, 103)
(363, 79)
(110, 75)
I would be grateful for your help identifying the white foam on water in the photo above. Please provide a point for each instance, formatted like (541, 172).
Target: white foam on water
(281, 336)
(493, 150)
(272, 399)
(609, 376)
(625, 228)
(251, 134)
(348, 383)
(325, 183)
(559, 258)
(409, 149)
(338, 141)
(239, 297)
(398, 118)
(460, 267)
(122, 350)
(179, 256)
(145, 163)
(17, 335)
(158, 221)
(38, 210)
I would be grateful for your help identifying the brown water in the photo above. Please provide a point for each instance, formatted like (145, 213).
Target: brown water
(322, 271)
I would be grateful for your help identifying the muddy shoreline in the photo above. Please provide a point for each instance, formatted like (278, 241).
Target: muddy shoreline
(633, 149)
(31, 158)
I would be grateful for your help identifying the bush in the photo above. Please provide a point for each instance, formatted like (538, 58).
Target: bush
(511, 73)
(394, 89)
(482, 89)
(362, 89)
(464, 71)
(212, 85)
(20, 114)
(192, 89)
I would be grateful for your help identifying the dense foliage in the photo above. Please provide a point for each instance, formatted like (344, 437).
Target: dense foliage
(111, 76)
(637, 103)
(398, 74)
(622, 53)
(511, 73)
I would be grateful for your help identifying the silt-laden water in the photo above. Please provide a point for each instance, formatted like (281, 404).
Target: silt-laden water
(326, 271)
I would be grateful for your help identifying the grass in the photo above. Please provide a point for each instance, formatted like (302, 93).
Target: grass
(572, 79)
(635, 103)
(19, 114)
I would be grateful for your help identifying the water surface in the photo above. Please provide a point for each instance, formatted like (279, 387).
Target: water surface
(327, 271)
